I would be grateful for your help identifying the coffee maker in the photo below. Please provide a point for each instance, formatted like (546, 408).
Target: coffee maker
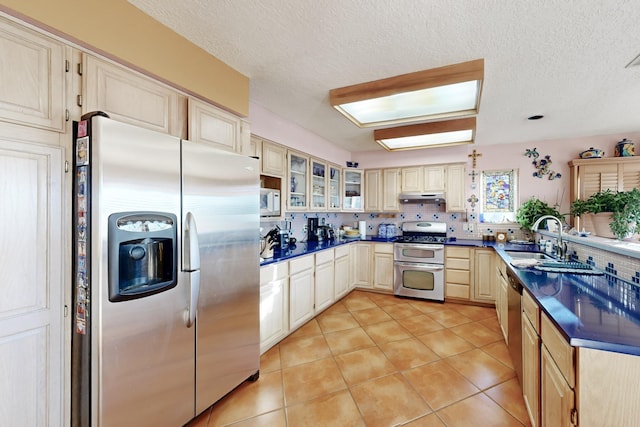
(312, 229)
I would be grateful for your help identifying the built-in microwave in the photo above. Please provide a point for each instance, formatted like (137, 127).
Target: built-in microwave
(269, 202)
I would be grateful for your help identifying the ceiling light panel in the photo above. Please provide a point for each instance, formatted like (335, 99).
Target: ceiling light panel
(427, 135)
(449, 91)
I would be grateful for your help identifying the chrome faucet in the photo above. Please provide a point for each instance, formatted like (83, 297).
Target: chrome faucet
(560, 249)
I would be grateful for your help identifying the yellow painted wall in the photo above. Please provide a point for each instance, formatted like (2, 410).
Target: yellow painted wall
(124, 33)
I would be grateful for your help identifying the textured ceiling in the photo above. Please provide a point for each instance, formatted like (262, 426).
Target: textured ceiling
(563, 59)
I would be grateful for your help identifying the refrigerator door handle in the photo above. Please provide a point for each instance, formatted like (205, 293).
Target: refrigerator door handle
(190, 246)
(194, 289)
(191, 266)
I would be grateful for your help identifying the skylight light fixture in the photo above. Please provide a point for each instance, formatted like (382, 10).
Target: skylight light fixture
(449, 91)
(427, 135)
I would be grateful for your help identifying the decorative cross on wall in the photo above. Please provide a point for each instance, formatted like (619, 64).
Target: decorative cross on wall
(474, 156)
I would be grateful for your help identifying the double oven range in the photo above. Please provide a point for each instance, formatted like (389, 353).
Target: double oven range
(418, 257)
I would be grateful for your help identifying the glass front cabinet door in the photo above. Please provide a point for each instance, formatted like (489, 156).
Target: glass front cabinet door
(335, 179)
(297, 184)
(318, 185)
(352, 190)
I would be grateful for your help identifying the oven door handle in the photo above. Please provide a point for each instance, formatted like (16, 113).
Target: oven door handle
(430, 267)
(434, 247)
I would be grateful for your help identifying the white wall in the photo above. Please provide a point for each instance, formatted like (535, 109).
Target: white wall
(268, 125)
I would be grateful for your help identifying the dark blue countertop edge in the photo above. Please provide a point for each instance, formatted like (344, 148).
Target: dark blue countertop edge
(305, 248)
(576, 333)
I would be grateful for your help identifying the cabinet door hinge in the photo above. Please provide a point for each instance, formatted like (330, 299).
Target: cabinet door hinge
(67, 65)
(79, 100)
(574, 417)
(80, 68)
(66, 166)
(66, 310)
(66, 115)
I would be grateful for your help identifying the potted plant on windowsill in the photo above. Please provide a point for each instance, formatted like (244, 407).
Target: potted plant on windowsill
(532, 209)
(620, 211)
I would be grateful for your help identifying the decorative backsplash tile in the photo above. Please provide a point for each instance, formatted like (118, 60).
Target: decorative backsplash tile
(620, 266)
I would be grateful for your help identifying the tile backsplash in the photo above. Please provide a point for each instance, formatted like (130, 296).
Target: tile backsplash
(461, 226)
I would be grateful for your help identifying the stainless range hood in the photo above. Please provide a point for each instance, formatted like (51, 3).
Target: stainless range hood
(416, 197)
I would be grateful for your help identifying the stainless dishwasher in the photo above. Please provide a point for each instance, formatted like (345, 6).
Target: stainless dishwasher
(514, 317)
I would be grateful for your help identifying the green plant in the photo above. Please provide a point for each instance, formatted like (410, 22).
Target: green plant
(532, 209)
(624, 205)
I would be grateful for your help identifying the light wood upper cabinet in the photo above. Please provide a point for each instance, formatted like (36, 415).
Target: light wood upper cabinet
(390, 190)
(131, 97)
(318, 185)
(214, 126)
(373, 190)
(274, 159)
(335, 187)
(352, 190)
(423, 178)
(297, 183)
(412, 179)
(434, 178)
(32, 67)
(455, 191)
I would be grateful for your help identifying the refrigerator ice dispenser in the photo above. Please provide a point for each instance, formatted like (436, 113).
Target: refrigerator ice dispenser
(142, 254)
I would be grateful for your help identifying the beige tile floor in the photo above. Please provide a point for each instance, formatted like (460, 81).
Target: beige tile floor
(378, 360)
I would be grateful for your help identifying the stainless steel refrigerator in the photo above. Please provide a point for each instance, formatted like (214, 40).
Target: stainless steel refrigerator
(166, 273)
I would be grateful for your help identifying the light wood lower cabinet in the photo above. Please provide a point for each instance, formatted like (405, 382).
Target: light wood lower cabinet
(324, 280)
(484, 278)
(274, 304)
(470, 274)
(361, 265)
(383, 266)
(531, 357)
(301, 291)
(556, 397)
(457, 272)
(502, 298)
(341, 271)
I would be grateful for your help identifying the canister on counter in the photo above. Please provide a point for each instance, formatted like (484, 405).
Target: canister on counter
(382, 231)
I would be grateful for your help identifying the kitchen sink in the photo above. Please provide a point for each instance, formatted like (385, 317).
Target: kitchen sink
(527, 255)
